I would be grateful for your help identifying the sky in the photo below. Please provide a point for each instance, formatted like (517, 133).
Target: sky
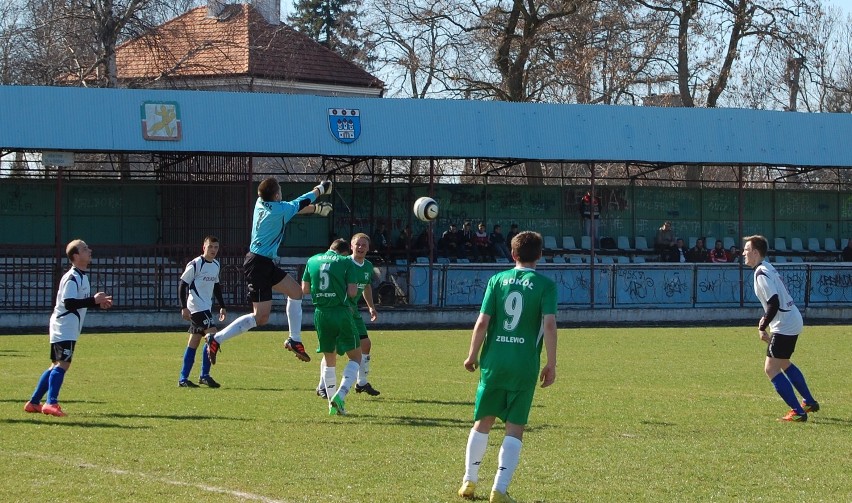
(846, 5)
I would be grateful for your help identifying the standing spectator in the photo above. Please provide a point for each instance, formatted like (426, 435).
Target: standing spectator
(498, 243)
(449, 244)
(513, 231)
(484, 252)
(846, 254)
(330, 279)
(381, 241)
(783, 319)
(466, 247)
(518, 314)
(718, 255)
(678, 253)
(66, 322)
(199, 283)
(664, 241)
(263, 276)
(699, 252)
(590, 210)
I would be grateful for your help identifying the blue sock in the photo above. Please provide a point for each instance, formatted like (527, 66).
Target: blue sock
(205, 362)
(785, 389)
(57, 375)
(188, 361)
(41, 387)
(798, 380)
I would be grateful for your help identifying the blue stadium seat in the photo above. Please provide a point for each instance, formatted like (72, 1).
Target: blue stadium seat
(568, 243)
(642, 244)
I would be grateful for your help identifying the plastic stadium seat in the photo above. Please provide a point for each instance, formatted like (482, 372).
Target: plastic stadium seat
(606, 259)
(442, 260)
(830, 245)
(401, 262)
(780, 244)
(586, 242)
(780, 260)
(813, 245)
(502, 260)
(568, 243)
(797, 260)
(642, 243)
(624, 243)
(692, 241)
(575, 259)
(843, 242)
(462, 261)
(587, 259)
(796, 245)
(550, 243)
(422, 260)
(558, 259)
(621, 259)
(727, 242)
(639, 259)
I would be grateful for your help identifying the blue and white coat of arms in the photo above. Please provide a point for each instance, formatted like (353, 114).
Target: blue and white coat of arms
(344, 124)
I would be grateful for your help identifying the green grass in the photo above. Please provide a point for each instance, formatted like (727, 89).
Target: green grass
(636, 414)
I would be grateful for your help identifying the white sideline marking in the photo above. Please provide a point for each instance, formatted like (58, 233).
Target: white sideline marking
(117, 471)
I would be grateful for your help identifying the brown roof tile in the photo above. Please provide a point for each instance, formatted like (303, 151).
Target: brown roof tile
(239, 42)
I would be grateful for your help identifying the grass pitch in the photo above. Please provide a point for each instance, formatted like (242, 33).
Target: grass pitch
(636, 414)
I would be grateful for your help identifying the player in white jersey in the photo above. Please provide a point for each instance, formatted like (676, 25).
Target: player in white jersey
(263, 276)
(784, 321)
(199, 283)
(72, 302)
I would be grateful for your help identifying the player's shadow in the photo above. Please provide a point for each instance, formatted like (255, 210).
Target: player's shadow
(441, 422)
(174, 417)
(428, 402)
(24, 400)
(12, 353)
(831, 421)
(40, 418)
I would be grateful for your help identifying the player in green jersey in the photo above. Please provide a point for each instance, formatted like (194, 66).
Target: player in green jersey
(330, 280)
(518, 313)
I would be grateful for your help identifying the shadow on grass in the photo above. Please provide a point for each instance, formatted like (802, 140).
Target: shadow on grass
(13, 353)
(26, 397)
(657, 423)
(414, 421)
(428, 402)
(174, 417)
(42, 419)
(832, 421)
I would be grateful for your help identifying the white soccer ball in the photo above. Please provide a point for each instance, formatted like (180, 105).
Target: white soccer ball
(426, 209)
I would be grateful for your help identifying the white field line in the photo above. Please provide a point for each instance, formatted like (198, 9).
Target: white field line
(117, 471)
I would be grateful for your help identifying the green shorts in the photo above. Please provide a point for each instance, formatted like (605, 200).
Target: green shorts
(334, 330)
(359, 326)
(510, 406)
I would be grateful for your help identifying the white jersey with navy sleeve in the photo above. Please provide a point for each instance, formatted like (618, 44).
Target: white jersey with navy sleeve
(767, 283)
(201, 276)
(66, 325)
(268, 223)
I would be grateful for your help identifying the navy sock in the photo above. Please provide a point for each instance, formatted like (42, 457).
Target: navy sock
(57, 375)
(205, 362)
(188, 361)
(785, 389)
(798, 380)
(41, 387)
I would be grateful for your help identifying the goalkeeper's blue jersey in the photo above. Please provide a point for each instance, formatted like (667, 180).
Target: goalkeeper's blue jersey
(268, 223)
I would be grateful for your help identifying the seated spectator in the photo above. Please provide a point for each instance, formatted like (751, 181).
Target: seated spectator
(734, 254)
(380, 240)
(846, 254)
(448, 246)
(466, 248)
(513, 231)
(699, 253)
(718, 254)
(498, 243)
(482, 245)
(678, 253)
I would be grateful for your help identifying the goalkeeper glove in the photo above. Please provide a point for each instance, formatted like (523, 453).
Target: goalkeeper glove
(322, 209)
(324, 187)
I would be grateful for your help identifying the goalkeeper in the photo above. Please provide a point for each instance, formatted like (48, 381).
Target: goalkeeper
(271, 215)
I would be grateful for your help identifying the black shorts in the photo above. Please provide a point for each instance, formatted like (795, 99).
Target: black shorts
(62, 351)
(781, 346)
(261, 275)
(201, 321)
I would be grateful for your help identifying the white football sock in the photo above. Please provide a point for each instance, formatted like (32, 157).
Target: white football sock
(364, 370)
(350, 375)
(239, 326)
(294, 318)
(330, 378)
(322, 373)
(476, 444)
(507, 461)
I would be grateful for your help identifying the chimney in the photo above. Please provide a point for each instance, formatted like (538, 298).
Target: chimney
(269, 9)
(215, 7)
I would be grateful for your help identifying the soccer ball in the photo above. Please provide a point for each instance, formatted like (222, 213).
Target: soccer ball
(426, 209)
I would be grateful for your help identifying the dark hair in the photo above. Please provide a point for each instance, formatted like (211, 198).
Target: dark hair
(758, 243)
(211, 238)
(268, 188)
(526, 246)
(340, 246)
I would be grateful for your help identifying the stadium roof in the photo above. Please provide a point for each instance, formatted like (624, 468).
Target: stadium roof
(110, 120)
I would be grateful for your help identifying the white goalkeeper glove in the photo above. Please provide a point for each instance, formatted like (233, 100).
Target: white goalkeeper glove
(322, 209)
(324, 187)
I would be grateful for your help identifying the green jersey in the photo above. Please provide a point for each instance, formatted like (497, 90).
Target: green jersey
(364, 276)
(516, 300)
(328, 274)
